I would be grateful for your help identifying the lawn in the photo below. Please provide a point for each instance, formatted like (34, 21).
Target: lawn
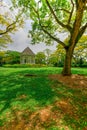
(30, 100)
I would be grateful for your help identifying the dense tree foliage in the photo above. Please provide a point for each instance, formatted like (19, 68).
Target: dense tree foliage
(79, 55)
(9, 57)
(57, 57)
(40, 58)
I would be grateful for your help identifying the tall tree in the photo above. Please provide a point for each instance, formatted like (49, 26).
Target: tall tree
(51, 16)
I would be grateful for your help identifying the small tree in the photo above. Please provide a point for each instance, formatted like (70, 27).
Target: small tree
(53, 59)
(40, 58)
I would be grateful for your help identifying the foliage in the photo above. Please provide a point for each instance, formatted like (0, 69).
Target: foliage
(9, 23)
(13, 57)
(79, 55)
(43, 18)
(4, 40)
(47, 53)
(23, 65)
(40, 58)
(49, 17)
(10, 57)
(53, 59)
(2, 54)
(57, 58)
(80, 52)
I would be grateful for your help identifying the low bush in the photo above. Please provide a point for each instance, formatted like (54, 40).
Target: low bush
(23, 65)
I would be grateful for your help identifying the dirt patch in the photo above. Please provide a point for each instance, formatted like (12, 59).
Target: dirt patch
(74, 81)
(39, 120)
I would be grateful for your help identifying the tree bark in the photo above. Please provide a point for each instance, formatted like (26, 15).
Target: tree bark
(74, 38)
(67, 63)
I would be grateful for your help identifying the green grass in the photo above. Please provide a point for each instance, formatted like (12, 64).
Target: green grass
(82, 71)
(19, 92)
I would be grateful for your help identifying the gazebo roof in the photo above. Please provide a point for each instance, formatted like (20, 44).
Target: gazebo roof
(27, 51)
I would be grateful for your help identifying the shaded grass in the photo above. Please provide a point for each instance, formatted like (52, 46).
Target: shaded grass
(36, 90)
(18, 92)
(75, 115)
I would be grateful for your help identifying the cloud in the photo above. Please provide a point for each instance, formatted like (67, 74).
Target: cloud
(21, 41)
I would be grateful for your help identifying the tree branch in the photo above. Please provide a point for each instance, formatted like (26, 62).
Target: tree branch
(11, 26)
(82, 30)
(52, 37)
(63, 10)
(71, 12)
(8, 28)
(57, 20)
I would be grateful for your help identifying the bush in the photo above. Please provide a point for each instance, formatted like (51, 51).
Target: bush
(84, 64)
(23, 65)
(79, 65)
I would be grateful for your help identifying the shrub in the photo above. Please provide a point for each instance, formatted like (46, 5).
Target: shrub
(23, 65)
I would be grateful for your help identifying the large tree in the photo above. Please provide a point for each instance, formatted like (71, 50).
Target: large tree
(52, 16)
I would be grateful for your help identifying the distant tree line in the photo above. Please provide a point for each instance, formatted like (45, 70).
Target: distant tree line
(9, 57)
(47, 57)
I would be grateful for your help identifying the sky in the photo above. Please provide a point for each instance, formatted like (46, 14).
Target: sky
(21, 40)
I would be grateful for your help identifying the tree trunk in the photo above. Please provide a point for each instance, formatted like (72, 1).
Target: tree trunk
(73, 39)
(67, 63)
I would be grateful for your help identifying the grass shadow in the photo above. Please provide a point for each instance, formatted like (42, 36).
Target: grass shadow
(20, 92)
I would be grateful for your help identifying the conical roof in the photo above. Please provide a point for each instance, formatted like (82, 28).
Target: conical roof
(27, 51)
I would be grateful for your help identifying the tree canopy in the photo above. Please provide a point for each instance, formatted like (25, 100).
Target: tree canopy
(49, 17)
